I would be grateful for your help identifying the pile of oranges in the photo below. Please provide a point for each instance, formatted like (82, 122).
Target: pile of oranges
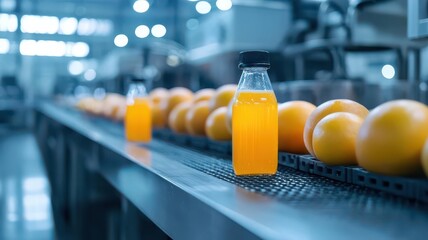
(112, 106)
(203, 113)
(390, 139)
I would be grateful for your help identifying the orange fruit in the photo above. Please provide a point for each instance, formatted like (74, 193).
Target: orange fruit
(332, 106)
(91, 105)
(159, 117)
(334, 138)
(215, 126)
(111, 104)
(223, 96)
(120, 113)
(229, 117)
(196, 118)
(176, 96)
(83, 103)
(177, 117)
(203, 95)
(391, 138)
(424, 158)
(292, 117)
(158, 94)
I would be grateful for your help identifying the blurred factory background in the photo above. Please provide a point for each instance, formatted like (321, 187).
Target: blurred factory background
(74, 47)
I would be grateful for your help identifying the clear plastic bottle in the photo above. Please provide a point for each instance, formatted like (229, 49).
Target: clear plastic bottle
(255, 118)
(138, 119)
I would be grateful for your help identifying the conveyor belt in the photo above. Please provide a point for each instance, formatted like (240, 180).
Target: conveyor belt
(291, 204)
(288, 184)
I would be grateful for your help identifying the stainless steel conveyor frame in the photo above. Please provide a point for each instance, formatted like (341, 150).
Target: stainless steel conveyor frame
(187, 203)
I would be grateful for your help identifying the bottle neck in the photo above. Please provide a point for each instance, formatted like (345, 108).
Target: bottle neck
(255, 78)
(136, 90)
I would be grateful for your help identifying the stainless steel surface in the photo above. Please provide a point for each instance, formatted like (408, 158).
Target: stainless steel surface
(417, 19)
(190, 195)
(25, 208)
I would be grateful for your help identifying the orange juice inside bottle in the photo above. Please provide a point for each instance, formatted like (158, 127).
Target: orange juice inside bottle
(138, 121)
(255, 133)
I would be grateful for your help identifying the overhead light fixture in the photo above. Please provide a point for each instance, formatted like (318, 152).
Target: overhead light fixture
(173, 60)
(203, 7)
(90, 75)
(121, 40)
(388, 71)
(68, 26)
(49, 48)
(142, 31)
(39, 24)
(75, 68)
(4, 46)
(87, 26)
(224, 5)
(158, 30)
(8, 22)
(141, 6)
(28, 47)
(80, 49)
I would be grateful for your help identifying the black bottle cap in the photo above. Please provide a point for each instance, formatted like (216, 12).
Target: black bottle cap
(135, 79)
(254, 59)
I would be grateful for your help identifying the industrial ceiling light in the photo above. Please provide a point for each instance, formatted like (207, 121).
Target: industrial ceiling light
(388, 71)
(142, 31)
(158, 30)
(90, 75)
(141, 6)
(28, 47)
(224, 5)
(4, 46)
(121, 40)
(203, 7)
(80, 49)
(75, 68)
(8, 22)
(68, 26)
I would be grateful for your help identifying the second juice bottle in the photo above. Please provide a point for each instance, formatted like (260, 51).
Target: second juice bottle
(138, 119)
(255, 118)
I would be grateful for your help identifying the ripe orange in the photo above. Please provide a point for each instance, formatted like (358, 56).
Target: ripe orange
(229, 117)
(334, 138)
(177, 117)
(196, 118)
(158, 94)
(391, 138)
(292, 117)
(203, 95)
(90, 105)
(332, 106)
(120, 113)
(215, 126)
(83, 103)
(424, 158)
(176, 96)
(112, 103)
(223, 96)
(159, 117)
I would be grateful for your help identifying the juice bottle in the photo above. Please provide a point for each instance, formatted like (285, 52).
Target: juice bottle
(255, 118)
(138, 119)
